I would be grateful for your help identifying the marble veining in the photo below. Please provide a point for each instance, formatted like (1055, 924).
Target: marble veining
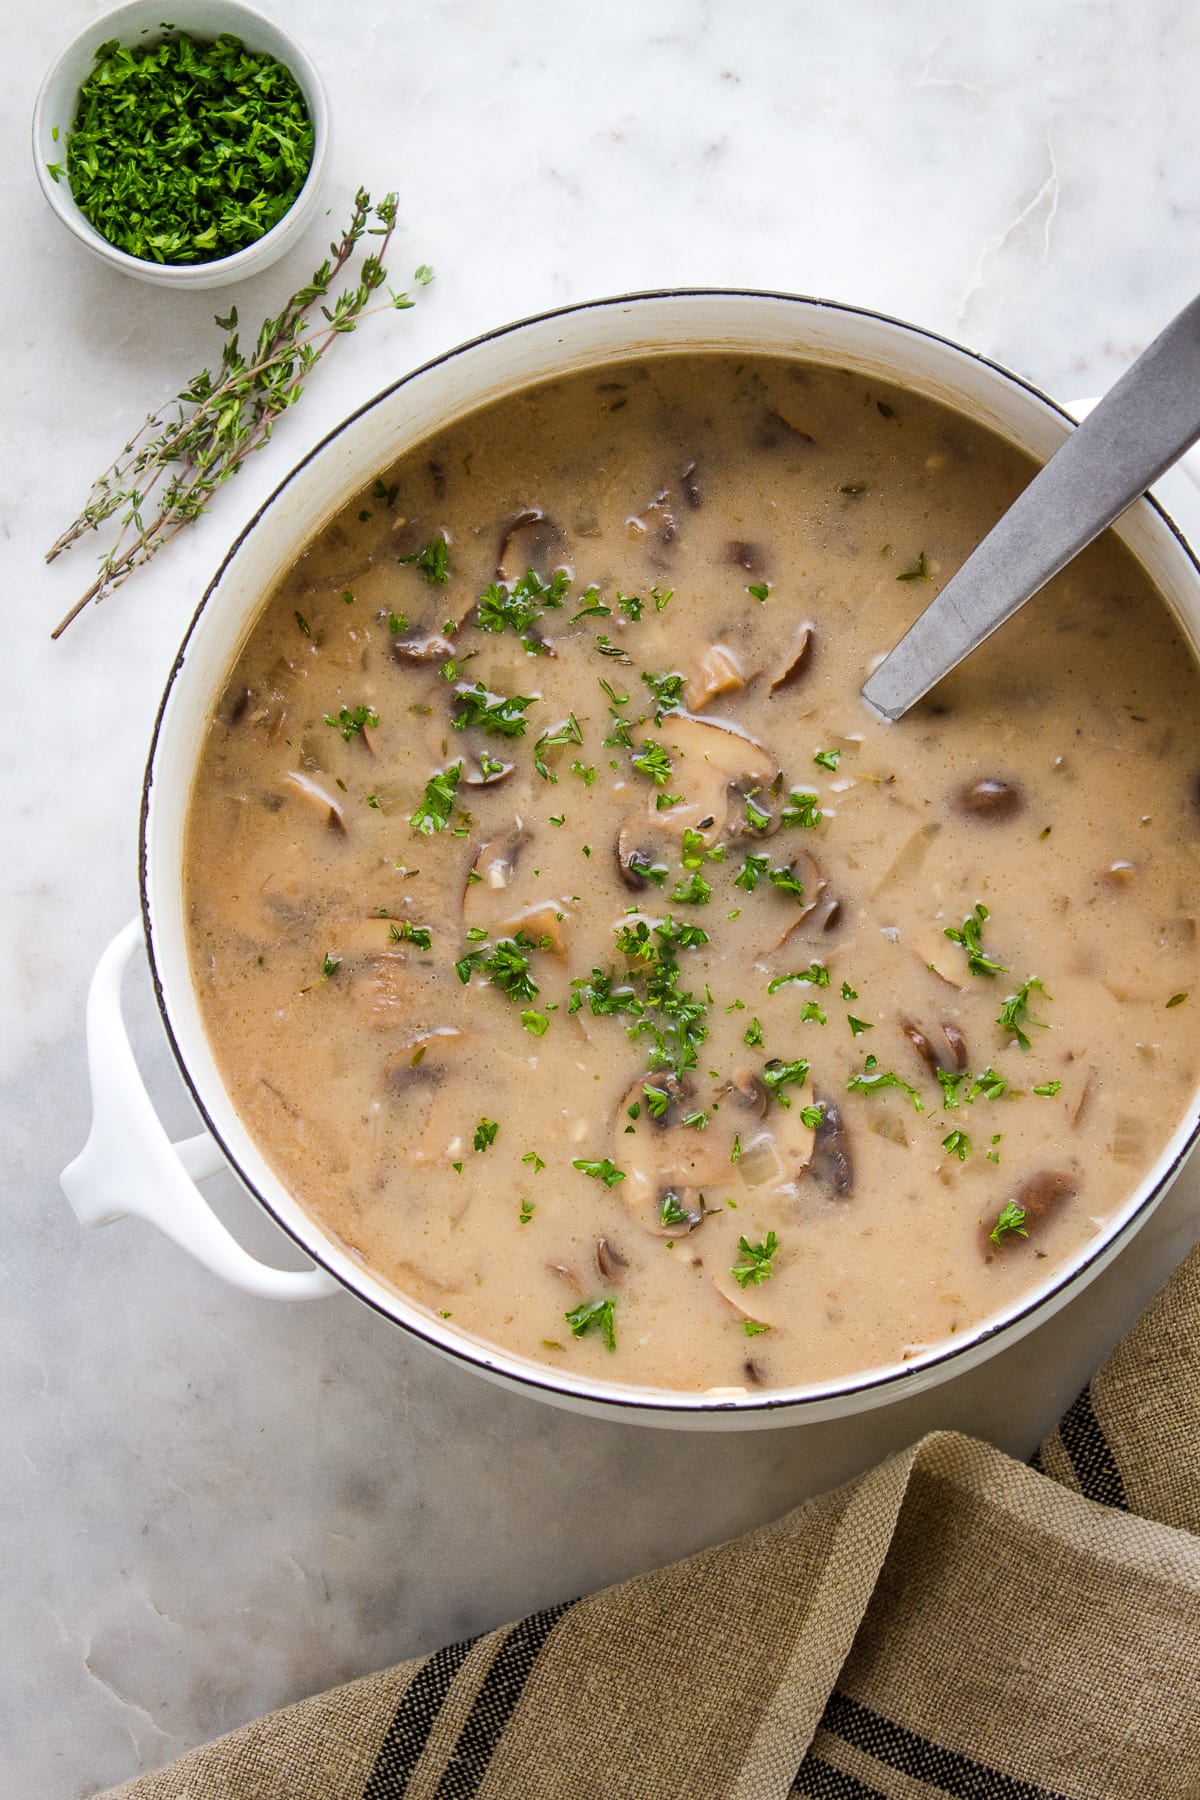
(212, 1505)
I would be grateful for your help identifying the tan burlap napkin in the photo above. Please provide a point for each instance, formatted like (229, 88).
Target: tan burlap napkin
(951, 1624)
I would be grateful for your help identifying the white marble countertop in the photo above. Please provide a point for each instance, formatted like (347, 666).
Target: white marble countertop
(213, 1505)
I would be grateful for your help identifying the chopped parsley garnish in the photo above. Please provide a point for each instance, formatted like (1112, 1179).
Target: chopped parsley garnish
(403, 931)
(811, 1014)
(653, 761)
(397, 622)
(667, 691)
(606, 647)
(671, 1018)
(610, 690)
(657, 1101)
(1047, 1089)
(786, 881)
(695, 891)
(971, 939)
(1014, 1014)
(752, 1036)
(802, 810)
(671, 1212)
(816, 975)
(777, 1075)
(506, 965)
(302, 623)
(1012, 1219)
(493, 712)
(591, 1313)
(585, 771)
(827, 759)
(604, 1170)
(989, 1085)
(631, 605)
(592, 609)
(485, 1134)
(958, 1144)
(752, 870)
(759, 589)
(754, 1327)
(756, 817)
(949, 1084)
(755, 1264)
(813, 1116)
(431, 561)
(849, 993)
(567, 733)
(526, 1212)
(918, 572)
(330, 966)
(604, 998)
(858, 1026)
(433, 814)
(535, 1161)
(535, 1022)
(872, 1079)
(350, 723)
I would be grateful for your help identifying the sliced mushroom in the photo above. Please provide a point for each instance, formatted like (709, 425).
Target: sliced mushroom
(497, 771)
(319, 798)
(715, 762)
(567, 1274)
(543, 920)
(832, 1162)
(667, 1164)
(487, 895)
(751, 1302)
(531, 540)
(657, 519)
(425, 1069)
(776, 431)
(751, 557)
(991, 799)
(609, 1261)
(795, 662)
(718, 672)
(747, 1091)
(819, 914)
(690, 486)
(1039, 1197)
(955, 1057)
(420, 647)
(636, 864)
(422, 1060)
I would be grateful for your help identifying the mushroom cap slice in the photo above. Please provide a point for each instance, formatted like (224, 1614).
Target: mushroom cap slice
(426, 1068)
(320, 799)
(420, 647)
(796, 660)
(717, 672)
(488, 898)
(715, 762)
(664, 1160)
(530, 540)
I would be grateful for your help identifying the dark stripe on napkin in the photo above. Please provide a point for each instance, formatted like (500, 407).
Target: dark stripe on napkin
(1091, 1454)
(818, 1780)
(494, 1704)
(909, 1754)
(408, 1733)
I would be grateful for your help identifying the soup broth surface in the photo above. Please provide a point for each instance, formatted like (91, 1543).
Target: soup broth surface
(586, 957)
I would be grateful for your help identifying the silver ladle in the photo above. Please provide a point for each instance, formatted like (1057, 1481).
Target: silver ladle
(1142, 425)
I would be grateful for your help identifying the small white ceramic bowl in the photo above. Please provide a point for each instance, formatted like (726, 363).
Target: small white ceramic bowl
(140, 21)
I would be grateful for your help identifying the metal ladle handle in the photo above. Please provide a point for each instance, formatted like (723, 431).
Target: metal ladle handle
(1142, 425)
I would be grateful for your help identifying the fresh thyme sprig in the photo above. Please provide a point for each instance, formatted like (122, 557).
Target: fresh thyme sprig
(221, 420)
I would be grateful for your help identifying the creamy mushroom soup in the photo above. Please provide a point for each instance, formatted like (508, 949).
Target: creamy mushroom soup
(589, 962)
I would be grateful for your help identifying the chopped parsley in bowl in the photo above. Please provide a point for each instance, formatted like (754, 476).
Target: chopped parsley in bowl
(188, 154)
(184, 151)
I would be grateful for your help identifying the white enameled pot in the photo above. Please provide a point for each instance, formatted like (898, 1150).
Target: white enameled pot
(130, 1167)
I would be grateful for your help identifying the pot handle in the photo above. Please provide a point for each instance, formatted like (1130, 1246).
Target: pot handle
(130, 1167)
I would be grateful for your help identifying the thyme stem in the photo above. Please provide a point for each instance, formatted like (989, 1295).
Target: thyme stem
(220, 422)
